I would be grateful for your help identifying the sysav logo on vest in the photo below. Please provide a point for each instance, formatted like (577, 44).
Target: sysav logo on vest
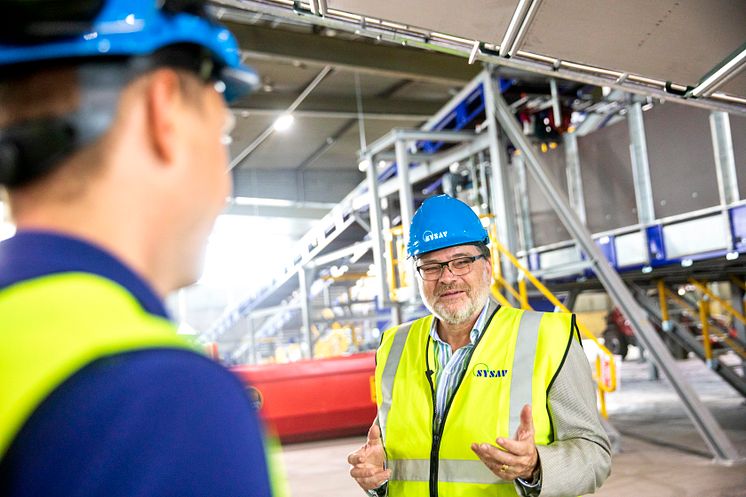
(483, 370)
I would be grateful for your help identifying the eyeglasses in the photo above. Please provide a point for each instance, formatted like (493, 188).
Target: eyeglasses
(432, 271)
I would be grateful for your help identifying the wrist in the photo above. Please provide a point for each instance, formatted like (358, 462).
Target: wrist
(379, 491)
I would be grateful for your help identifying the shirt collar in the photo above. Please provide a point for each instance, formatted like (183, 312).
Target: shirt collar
(476, 331)
(33, 254)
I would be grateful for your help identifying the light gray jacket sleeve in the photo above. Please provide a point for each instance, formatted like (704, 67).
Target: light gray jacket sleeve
(578, 461)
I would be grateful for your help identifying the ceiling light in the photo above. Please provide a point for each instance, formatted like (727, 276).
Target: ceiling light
(283, 122)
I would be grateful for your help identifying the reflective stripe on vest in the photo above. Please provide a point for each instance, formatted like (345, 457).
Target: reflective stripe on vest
(389, 373)
(450, 470)
(51, 327)
(523, 367)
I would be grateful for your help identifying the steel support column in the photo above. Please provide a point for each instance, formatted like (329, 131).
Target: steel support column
(722, 144)
(304, 275)
(376, 233)
(708, 427)
(638, 151)
(522, 204)
(502, 206)
(725, 165)
(574, 177)
(484, 200)
(406, 206)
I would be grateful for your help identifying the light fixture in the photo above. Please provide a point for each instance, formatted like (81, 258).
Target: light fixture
(363, 165)
(283, 122)
(731, 256)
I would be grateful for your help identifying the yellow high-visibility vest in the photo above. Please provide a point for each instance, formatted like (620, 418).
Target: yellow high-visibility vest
(513, 364)
(51, 327)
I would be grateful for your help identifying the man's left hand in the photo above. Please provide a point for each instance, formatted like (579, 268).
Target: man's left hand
(511, 459)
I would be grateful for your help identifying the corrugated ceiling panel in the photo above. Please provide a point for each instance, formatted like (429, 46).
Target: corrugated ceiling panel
(669, 40)
(473, 19)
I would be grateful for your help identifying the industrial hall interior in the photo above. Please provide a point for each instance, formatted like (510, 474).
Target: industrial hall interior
(586, 157)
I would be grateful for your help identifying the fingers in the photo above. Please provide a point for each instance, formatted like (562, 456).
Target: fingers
(507, 464)
(525, 430)
(374, 434)
(517, 447)
(492, 456)
(356, 457)
(369, 477)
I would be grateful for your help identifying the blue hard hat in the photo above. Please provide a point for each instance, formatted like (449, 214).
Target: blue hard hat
(443, 222)
(127, 28)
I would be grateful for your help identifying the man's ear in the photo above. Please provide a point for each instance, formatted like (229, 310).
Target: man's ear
(164, 103)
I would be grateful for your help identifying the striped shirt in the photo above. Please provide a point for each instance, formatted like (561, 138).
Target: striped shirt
(450, 365)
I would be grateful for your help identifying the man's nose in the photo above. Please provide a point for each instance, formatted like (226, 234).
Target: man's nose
(447, 275)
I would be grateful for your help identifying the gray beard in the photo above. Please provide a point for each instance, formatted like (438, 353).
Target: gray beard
(477, 300)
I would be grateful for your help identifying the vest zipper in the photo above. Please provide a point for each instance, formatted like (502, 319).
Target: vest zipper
(438, 435)
(435, 448)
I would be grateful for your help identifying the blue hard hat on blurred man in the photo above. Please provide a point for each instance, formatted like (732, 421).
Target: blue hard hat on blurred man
(110, 42)
(118, 28)
(443, 222)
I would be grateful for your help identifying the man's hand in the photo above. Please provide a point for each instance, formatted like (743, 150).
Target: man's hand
(516, 458)
(368, 462)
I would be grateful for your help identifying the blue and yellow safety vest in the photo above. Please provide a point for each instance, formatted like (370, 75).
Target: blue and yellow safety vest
(51, 327)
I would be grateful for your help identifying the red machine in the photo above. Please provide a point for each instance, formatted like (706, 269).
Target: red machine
(316, 399)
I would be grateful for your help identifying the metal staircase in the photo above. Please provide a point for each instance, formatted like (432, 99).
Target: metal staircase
(732, 373)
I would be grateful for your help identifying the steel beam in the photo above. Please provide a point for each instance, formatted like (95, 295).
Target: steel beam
(245, 112)
(304, 282)
(725, 162)
(502, 205)
(522, 203)
(638, 151)
(376, 234)
(378, 60)
(337, 106)
(269, 130)
(708, 427)
(574, 176)
(406, 204)
(721, 74)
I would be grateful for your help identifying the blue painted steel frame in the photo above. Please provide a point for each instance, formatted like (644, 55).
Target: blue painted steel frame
(656, 248)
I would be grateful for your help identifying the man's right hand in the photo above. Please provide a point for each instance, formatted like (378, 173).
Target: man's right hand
(368, 462)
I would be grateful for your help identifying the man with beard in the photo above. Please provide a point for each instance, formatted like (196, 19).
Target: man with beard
(478, 399)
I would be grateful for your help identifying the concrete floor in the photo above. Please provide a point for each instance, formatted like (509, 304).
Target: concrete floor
(661, 453)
